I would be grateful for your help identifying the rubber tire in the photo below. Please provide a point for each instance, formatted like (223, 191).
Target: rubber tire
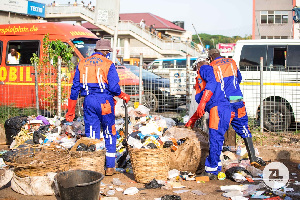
(150, 101)
(277, 117)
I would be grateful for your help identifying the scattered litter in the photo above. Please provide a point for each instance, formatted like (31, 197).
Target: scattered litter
(119, 189)
(234, 187)
(173, 173)
(2, 163)
(237, 174)
(221, 176)
(239, 198)
(109, 198)
(111, 192)
(170, 197)
(202, 179)
(259, 195)
(180, 191)
(176, 185)
(131, 191)
(235, 193)
(197, 192)
(153, 185)
(297, 183)
(116, 181)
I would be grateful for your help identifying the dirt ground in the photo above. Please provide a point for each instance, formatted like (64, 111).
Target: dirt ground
(211, 188)
(281, 147)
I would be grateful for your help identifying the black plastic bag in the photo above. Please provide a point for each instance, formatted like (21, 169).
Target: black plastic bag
(171, 197)
(153, 184)
(13, 126)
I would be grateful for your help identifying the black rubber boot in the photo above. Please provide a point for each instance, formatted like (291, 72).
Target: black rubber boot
(254, 161)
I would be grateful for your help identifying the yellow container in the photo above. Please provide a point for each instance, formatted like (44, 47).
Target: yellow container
(136, 105)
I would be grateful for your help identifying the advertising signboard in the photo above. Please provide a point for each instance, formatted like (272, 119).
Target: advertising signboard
(16, 6)
(107, 12)
(226, 47)
(36, 9)
(23, 7)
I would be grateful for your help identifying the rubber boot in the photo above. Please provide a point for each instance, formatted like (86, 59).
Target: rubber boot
(254, 161)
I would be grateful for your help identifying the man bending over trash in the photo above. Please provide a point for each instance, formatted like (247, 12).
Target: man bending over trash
(211, 99)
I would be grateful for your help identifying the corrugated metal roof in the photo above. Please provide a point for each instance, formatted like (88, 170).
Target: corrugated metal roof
(160, 23)
(150, 19)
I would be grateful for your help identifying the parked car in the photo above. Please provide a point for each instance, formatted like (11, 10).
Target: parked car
(157, 95)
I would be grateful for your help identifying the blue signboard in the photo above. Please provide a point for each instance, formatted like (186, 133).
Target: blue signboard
(36, 9)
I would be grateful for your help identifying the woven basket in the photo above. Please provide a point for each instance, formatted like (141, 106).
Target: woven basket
(85, 160)
(149, 164)
(40, 160)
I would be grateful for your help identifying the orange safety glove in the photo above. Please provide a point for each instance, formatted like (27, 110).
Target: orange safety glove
(205, 98)
(124, 96)
(71, 110)
(192, 121)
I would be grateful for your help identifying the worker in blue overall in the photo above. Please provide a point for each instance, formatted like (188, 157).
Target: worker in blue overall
(230, 77)
(211, 99)
(96, 79)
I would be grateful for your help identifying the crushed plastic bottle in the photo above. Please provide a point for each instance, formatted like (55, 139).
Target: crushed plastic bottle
(111, 192)
(117, 181)
(238, 151)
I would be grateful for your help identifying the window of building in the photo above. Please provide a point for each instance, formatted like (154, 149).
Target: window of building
(273, 37)
(20, 52)
(273, 17)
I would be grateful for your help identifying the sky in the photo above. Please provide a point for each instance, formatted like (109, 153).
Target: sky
(217, 17)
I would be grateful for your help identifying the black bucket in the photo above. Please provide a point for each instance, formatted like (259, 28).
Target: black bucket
(79, 184)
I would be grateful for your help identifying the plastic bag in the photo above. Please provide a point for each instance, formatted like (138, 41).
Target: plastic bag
(194, 104)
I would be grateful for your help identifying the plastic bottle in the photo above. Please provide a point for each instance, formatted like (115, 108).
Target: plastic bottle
(238, 151)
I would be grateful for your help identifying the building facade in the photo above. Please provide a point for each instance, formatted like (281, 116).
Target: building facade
(273, 19)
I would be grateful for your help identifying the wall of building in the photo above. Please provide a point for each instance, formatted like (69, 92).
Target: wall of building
(285, 29)
(13, 18)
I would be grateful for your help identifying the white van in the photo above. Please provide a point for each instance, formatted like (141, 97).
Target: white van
(281, 78)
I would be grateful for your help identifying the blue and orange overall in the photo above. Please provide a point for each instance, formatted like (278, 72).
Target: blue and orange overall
(218, 108)
(230, 77)
(96, 79)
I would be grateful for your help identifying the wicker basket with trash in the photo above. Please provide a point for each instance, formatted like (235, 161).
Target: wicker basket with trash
(38, 160)
(149, 164)
(88, 154)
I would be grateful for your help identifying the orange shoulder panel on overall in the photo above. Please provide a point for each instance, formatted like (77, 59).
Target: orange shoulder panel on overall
(92, 66)
(224, 67)
(200, 84)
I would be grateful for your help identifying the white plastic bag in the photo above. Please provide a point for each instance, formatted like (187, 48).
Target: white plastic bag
(194, 104)
(7, 175)
(34, 185)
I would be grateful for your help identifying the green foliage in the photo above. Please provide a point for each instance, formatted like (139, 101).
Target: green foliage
(47, 67)
(212, 40)
(7, 112)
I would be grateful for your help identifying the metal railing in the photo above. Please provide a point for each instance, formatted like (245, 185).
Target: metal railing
(127, 28)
